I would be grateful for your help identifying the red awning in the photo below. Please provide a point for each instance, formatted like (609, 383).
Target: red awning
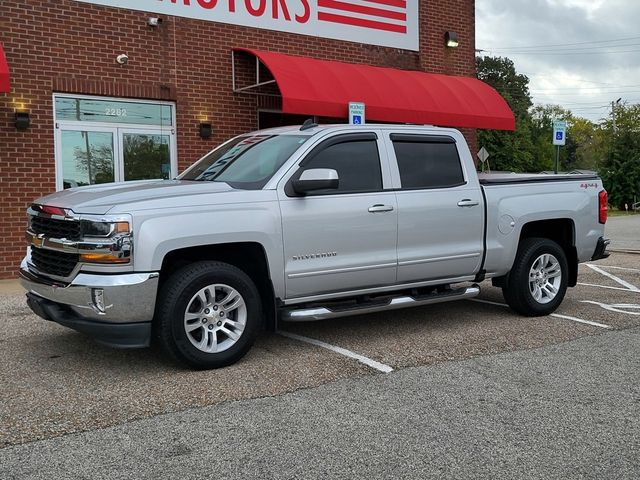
(324, 88)
(4, 72)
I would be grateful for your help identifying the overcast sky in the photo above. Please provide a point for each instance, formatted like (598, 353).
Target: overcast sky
(581, 54)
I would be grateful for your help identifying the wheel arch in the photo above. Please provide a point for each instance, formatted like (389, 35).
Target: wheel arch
(250, 257)
(560, 230)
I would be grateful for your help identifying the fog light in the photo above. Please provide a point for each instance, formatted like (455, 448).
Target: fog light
(97, 295)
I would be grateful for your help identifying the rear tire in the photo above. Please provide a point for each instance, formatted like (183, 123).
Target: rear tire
(208, 315)
(538, 280)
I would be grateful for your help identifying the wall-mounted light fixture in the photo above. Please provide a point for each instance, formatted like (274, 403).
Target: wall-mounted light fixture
(206, 130)
(451, 39)
(154, 21)
(23, 120)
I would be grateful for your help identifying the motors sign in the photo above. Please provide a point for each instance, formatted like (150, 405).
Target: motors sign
(389, 23)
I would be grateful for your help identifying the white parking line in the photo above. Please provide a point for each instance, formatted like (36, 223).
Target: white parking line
(556, 315)
(605, 286)
(623, 268)
(488, 302)
(617, 307)
(342, 351)
(622, 282)
(579, 320)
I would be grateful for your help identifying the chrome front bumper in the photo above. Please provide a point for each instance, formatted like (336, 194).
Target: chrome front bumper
(113, 298)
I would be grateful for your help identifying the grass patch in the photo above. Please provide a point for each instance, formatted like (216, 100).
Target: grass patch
(622, 213)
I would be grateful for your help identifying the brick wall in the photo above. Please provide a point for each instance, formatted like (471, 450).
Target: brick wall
(70, 47)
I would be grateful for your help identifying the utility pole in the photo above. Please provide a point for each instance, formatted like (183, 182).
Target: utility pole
(613, 114)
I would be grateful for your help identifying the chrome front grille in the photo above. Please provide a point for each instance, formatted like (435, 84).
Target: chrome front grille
(54, 228)
(53, 262)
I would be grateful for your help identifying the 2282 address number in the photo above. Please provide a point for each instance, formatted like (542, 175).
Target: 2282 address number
(115, 112)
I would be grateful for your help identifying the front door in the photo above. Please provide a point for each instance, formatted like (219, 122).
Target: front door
(343, 239)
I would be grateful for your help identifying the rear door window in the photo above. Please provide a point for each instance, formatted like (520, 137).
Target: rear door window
(427, 162)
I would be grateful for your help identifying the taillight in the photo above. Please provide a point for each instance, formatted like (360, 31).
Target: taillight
(603, 198)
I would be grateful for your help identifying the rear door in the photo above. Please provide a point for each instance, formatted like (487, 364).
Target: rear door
(344, 239)
(440, 212)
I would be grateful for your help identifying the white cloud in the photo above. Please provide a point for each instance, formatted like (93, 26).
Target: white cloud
(580, 54)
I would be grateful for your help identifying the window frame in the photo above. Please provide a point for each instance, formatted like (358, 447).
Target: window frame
(59, 125)
(430, 139)
(329, 142)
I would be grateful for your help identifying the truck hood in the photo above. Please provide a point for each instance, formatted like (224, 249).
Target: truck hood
(99, 199)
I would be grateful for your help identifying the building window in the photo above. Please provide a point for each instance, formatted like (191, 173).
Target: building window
(100, 140)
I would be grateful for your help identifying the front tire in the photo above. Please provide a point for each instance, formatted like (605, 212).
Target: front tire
(208, 315)
(537, 282)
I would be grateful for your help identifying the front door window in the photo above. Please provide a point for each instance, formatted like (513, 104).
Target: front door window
(101, 140)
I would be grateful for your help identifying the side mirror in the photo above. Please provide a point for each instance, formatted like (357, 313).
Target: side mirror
(316, 179)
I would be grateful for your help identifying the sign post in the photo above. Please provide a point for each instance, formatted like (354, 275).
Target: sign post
(356, 113)
(559, 138)
(483, 155)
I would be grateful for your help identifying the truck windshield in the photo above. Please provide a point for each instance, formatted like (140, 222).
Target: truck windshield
(247, 162)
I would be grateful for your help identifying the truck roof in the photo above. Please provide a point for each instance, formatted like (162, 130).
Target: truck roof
(295, 129)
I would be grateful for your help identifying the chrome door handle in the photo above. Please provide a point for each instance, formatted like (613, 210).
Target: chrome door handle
(467, 203)
(380, 208)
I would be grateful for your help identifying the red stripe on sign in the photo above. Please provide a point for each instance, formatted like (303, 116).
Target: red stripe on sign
(349, 7)
(391, 3)
(359, 22)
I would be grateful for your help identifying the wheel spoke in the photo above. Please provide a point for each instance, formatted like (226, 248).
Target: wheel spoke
(190, 327)
(551, 289)
(537, 293)
(214, 341)
(554, 272)
(229, 294)
(237, 325)
(237, 302)
(202, 344)
(230, 333)
(202, 296)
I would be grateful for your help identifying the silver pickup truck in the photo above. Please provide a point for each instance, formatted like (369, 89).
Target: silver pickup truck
(299, 224)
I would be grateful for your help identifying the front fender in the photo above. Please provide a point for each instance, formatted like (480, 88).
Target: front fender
(156, 233)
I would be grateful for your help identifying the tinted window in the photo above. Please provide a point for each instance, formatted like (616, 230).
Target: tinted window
(428, 165)
(246, 162)
(357, 164)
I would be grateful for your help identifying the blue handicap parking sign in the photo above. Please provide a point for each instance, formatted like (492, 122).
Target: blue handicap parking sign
(559, 135)
(357, 120)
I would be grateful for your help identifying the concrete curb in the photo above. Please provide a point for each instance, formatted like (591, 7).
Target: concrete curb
(10, 286)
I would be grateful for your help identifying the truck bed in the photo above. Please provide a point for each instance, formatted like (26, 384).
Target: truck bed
(509, 178)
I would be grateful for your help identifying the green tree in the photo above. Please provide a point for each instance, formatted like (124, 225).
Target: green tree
(620, 155)
(511, 151)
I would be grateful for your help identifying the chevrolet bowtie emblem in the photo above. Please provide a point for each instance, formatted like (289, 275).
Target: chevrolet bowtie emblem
(37, 241)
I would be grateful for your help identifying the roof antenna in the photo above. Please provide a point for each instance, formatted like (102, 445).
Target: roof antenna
(308, 123)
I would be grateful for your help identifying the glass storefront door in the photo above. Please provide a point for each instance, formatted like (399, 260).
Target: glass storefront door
(103, 140)
(145, 155)
(88, 157)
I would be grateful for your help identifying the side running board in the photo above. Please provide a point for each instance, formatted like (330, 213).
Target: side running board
(312, 314)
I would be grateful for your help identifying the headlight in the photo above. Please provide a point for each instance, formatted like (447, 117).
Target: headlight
(113, 240)
(103, 229)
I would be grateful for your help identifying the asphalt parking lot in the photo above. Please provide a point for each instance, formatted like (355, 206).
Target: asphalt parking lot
(57, 382)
